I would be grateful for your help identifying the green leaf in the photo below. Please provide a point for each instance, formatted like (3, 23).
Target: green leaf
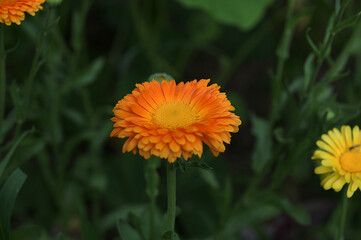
(86, 76)
(7, 124)
(257, 211)
(226, 196)
(308, 70)
(127, 232)
(209, 178)
(8, 196)
(199, 164)
(8, 156)
(19, 107)
(262, 152)
(346, 23)
(312, 44)
(243, 14)
(28, 232)
(170, 235)
(279, 134)
(135, 222)
(60, 237)
(296, 211)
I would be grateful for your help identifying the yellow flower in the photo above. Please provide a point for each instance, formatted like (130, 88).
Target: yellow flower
(340, 159)
(171, 120)
(13, 11)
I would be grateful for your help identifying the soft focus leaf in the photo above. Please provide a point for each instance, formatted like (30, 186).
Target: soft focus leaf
(60, 237)
(168, 236)
(108, 221)
(311, 43)
(209, 178)
(135, 222)
(86, 76)
(240, 13)
(19, 107)
(279, 135)
(296, 211)
(346, 23)
(8, 156)
(8, 195)
(263, 147)
(7, 124)
(308, 69)
(126, 232)
(28, 232)
(256, 211)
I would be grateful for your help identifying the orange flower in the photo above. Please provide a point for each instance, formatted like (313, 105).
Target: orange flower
(14, 10)
(171, 120)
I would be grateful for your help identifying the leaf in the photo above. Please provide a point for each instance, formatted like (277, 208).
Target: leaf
(126, 232)
(12, 150)
(258, 211)
(19, 107)
(7, 124)
(308, 70)
(170, 235)
(226, 196)
(74, 115)
(193, 163)
(263, 148)
(243, 14)
(28, 232)
(346, 23)
(8, 196)
(296, 211)
(60, 237)
(312, 44)
(135, 222)
(209, 178)
(86, 76)
(279, 134)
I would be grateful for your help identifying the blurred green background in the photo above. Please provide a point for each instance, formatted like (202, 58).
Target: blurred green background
(291, 69)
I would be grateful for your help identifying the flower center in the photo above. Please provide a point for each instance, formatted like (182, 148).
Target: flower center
(172, 115)
(351, 161)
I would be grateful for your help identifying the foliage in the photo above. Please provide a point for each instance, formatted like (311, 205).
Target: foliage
(290, 68)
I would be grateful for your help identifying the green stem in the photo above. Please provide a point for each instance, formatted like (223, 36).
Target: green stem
(2, 75)
(283, 52)
(36, 60)
(152, 190)
(171, 185)
(152, 218)
(343, 217)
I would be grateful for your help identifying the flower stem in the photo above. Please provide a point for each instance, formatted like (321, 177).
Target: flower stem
(2, 75)
(283, 52)
(341, 230)
(171, 185)
(152, 192)
(36, 64)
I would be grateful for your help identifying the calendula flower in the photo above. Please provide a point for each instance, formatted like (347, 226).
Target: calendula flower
(13, 11)
(171, 120)
(340, 159)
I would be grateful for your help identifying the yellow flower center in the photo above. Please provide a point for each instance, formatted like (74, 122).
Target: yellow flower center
(172, 115)
(351, 161)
